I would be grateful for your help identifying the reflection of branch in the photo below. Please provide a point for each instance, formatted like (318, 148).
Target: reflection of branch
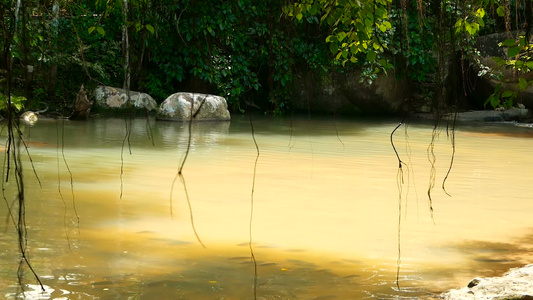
(190, 210)
(21, 221)
(433, 171)
(60, 192)
(399, 182)
(126, 139)
(70, 174)
(453, 152)
(14, 144)
(180, 172)
(252, 208)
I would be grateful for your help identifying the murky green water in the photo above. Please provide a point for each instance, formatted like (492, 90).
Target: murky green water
(325, 210)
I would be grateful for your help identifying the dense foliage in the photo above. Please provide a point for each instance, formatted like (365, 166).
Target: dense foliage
(249, 49)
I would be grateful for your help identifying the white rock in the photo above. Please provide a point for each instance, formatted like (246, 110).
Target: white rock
(515, 284)
(110, 97)
(203, 107)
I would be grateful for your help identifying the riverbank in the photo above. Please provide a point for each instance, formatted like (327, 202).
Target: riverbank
(517, 283)
(513, 114)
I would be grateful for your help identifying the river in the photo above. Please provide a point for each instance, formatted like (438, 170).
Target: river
(328, 215)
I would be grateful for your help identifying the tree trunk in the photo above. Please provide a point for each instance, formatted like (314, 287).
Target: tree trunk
(82, 106)
(52, 71)
(126, 49)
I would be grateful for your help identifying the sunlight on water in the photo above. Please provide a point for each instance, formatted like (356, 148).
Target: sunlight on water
(325, 211)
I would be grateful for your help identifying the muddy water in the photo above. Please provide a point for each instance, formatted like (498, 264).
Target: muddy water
(325, 213)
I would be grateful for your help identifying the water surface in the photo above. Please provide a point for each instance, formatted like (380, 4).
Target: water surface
(326, 207)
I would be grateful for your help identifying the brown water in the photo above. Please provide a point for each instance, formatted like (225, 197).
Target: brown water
(325, 210)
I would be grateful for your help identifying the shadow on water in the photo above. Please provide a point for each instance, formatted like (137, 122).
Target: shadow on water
(491, 258)
(482, 259)
(218, 275)
(224, 272)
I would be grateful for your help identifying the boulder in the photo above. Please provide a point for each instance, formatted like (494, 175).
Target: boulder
(114, 98)
(515, 284)
(202, 107)
(344, 93)
(484, 86)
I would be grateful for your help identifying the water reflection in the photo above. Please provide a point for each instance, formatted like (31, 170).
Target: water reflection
(325, 215)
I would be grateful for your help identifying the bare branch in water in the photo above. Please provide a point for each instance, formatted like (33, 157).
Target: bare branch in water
(433, 171)
(13, 152)
(252, 255)
(60, 191)
(399, 183)
(451, 136)
(180, 171)
(127, 122)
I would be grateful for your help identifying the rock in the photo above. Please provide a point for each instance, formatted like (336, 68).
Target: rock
(474, 282)
(204, 107)
(485, 85)
(29, 117)
(114, 98)
(343, 93)
(82, 106)
(513, 114)
(515, 284)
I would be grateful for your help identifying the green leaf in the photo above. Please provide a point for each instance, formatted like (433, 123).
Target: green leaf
(529, 64)
(509, 43)
(522, 83)
(345, 54)
(458, 25)
(507, 94)
(150, 28)
(369, 23)
(211, 31)
(354, 49)
(494, 100)
(371, 56)
(333, 47)
(470, 29)
(489, 100)
(100, 30)
(91, 29)
(500, 11)
(498, 60)
(480, 12)
(513, 51)
(341, 35)
(522, 41)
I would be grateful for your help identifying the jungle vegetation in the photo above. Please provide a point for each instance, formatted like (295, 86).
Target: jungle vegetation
(245, 50)
(251, 49)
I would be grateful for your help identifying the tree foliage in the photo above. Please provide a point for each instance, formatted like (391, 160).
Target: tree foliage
(251, 49)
